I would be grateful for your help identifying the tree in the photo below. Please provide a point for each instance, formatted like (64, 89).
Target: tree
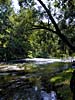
(43, 30)
(24, 21)
(5, 29)
(61, 5)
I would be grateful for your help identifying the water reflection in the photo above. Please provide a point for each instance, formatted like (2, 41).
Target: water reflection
(27, 84)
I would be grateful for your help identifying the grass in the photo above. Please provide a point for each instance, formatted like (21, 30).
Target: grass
(63, 78)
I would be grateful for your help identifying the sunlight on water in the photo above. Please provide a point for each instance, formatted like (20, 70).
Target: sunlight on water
(24, 82)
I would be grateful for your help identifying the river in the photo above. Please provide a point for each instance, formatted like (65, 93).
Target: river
(23, 81)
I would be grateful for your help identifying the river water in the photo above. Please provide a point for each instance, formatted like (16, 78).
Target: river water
(23, 81)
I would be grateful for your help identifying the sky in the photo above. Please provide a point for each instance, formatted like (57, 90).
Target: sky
(15, 5)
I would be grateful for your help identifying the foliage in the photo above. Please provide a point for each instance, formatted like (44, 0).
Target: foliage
(37, 30)
(5, 30)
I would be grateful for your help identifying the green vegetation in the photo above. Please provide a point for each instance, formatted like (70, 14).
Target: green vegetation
(30, 33)
(64, 78)
(39, 31)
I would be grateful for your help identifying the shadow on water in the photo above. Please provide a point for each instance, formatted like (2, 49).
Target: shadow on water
(26, 84)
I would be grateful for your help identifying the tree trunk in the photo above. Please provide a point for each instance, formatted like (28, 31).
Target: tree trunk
(58, 31)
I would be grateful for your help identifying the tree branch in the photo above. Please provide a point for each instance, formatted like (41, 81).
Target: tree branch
(42, 27)
(58, 32)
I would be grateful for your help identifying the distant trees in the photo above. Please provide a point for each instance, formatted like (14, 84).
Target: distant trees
(5, 29)
(45, 30)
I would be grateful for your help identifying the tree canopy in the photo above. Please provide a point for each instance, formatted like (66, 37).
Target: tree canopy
(38, 29)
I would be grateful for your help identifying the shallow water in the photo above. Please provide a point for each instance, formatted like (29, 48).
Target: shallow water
(26, 84)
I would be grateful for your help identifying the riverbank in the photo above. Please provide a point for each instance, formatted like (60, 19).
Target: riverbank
(58, 74)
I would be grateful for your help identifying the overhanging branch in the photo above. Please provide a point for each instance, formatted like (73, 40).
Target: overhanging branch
(58, 32)
(42, 27)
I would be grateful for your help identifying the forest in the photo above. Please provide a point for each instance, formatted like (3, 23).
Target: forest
(37, 30)
(43, 30)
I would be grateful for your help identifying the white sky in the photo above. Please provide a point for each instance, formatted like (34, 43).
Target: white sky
(15, 5)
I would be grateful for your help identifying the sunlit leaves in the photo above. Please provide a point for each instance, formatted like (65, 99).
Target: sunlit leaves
(5, 2)
(56, 3)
